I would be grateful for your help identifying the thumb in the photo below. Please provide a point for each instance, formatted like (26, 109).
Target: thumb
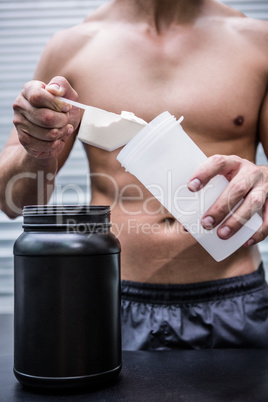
(59, 86)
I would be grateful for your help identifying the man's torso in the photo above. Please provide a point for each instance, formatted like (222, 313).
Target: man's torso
(213, 73)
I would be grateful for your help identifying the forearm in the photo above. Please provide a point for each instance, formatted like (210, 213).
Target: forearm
(24, 180)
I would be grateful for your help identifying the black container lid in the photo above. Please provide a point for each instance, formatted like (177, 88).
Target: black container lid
(62, 215)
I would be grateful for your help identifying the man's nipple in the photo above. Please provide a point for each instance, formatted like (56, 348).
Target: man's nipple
(239, 120)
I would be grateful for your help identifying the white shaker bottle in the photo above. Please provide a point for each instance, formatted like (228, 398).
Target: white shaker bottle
(163, 158)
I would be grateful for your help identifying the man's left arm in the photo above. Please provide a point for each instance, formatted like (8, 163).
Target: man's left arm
(247, 181)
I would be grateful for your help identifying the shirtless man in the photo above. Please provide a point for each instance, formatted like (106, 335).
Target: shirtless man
(196, 58)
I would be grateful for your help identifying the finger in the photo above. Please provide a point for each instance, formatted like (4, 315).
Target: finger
(65, 87)
(40, 117)
(262, 233)
(42, 149)
(42, 134)
(46, 118)
(36, 94)
(241, 187)
(59, 86)
(254, 202)
(227, 166)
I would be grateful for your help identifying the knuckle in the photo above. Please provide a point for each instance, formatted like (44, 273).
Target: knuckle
(263, 182)
(35, 98)
(219, 160)
(17, 104)
(64, 83)
(48, 118)
(257, 200)
(256, 172)
(17, 119)
(54, 134)
(59, 79)
(29, 83)
(236, 159)
(240, 188)
(26, 86)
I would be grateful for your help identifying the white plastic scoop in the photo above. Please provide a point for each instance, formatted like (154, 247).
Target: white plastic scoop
(74, 103)
(106, 130)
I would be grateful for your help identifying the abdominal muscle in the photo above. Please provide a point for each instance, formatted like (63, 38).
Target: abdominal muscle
(155, 246)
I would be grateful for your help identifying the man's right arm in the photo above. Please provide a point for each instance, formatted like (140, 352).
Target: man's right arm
(38, 146)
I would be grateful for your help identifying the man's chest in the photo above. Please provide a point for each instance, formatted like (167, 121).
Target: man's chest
(215, 90)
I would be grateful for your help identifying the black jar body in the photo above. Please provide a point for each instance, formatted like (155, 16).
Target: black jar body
(67, 330)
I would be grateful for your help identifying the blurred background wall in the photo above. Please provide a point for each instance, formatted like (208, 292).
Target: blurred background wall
(25, 28)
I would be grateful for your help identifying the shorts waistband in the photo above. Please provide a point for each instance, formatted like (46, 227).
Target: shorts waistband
(194, 292)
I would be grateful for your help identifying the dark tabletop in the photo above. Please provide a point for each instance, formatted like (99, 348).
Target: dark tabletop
(205, 375)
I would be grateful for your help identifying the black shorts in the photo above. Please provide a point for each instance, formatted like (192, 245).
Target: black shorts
(227, 313)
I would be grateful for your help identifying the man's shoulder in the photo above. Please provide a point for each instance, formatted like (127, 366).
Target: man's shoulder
(63, 47)
(248, 24)
(76, 36)
(253, 31)
(235, 20)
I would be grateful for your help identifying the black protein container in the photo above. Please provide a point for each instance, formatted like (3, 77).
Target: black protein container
(67, 329)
